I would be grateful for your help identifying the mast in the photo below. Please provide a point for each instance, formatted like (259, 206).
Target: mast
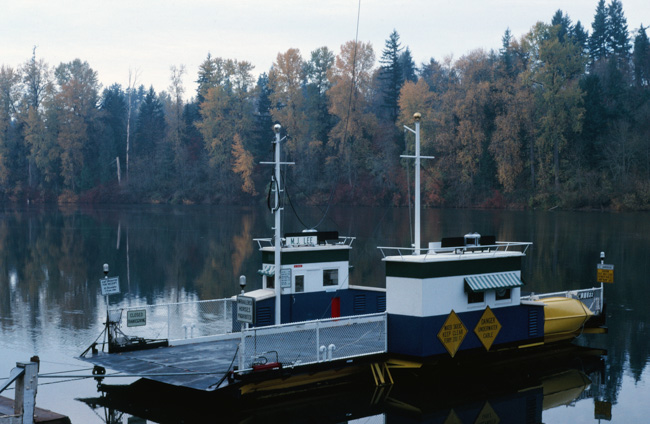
(277, 211)
(417, 157)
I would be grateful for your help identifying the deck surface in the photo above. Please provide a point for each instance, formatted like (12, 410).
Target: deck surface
(43, 416)
(203, 364)
(214, 358)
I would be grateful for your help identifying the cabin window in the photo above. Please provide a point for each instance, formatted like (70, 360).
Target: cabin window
(330, 277)
(300, 283)
(475, 297)
(270, 281)
(503, 294)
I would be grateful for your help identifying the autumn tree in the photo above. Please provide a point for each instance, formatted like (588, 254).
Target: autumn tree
(350, 139)
(558, 97)
(418, 98)
(77, 98)
(243, 165)
(9, 97)
(227, 113)
(286, 79)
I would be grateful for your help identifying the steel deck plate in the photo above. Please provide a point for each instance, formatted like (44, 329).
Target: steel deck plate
(214, 358)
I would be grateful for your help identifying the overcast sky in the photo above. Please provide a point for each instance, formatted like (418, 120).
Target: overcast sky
(114, 36)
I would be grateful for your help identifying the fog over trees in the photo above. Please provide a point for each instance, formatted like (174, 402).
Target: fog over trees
(559, 116)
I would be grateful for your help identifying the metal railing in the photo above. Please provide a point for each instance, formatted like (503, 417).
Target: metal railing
(176, 321)
(500, 246)
(342, 240)
(309, 342)
(592, 298)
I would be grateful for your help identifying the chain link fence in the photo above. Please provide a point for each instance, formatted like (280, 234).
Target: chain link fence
(176, 321)
(313, 341)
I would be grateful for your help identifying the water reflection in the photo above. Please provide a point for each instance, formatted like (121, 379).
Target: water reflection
(500, 393)
(51, 260)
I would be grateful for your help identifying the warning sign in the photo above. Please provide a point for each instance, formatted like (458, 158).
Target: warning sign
(452, 418)
(487, 328)
(452, 333)
(602, 410)
(605, 273)
(487, 415)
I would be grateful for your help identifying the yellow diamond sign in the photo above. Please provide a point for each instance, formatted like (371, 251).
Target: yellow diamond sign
(452, 418)
(487, 328)
(487, 415)
(452, 333)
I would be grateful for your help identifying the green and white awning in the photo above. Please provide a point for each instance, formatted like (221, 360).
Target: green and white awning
(484, 282)
(267, 269)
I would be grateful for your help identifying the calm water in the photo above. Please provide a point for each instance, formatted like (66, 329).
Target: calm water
(50, 301)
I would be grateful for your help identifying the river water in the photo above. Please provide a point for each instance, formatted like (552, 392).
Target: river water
(51, 305)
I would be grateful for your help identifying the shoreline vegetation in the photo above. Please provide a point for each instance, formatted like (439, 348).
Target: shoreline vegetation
(557, 118)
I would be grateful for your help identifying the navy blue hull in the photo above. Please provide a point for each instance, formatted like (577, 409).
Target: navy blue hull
(418, 336)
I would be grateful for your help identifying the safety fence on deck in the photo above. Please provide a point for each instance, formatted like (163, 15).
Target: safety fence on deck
(592, 298)
(310, 342)
(176, 321)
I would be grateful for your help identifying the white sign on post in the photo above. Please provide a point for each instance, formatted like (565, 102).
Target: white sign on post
(285, 278)
(246, 309)
(110, 285)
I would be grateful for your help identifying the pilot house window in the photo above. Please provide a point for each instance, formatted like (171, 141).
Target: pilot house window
(330, 277)
(300, 283)
(475, 297)
(503, 294)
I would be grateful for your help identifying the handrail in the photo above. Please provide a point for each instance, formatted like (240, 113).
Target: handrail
(160, 305)
(594, 302)
(13, 376)
(310, 344)
(500, 246)
(342, 241)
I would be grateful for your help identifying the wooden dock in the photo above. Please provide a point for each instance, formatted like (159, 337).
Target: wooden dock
(40, 415)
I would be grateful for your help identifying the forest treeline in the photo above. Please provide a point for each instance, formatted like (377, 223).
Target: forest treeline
(557, 117)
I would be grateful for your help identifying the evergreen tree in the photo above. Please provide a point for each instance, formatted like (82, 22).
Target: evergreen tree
(563, 20)
(408, 66)
(211, 74)
(391, 74)
(316, 69)
(505, 52)
(598, 41)
(618, 38)
(580, 37)
(263, 120)
(150, 126)
(641, 58)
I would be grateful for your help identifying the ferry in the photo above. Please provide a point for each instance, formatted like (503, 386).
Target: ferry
(456, 301)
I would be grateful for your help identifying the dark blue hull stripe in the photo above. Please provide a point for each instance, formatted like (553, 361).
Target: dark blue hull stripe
(418, 336)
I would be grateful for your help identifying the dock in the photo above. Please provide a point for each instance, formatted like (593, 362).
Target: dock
(22, 409)
(43, 416)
